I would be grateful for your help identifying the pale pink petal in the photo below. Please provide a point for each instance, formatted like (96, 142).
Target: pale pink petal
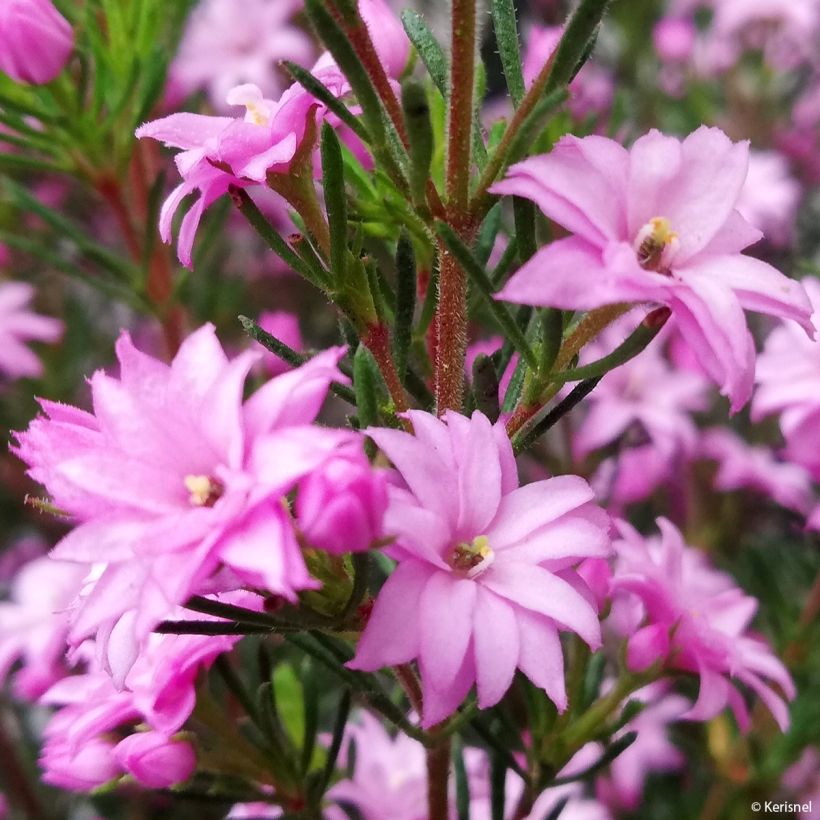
(495, 638)
(391, 636)
(532, 587)
(541, 658)
(445, 625)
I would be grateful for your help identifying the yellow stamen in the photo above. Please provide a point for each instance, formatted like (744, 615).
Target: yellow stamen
(205, 491)
(472, 558)
(655, 242)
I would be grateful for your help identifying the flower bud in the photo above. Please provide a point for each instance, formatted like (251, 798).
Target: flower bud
(35, 41)
(155, 760)
(78, 770)
(340, 507)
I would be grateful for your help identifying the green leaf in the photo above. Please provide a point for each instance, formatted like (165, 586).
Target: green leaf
(333, 181)
(552, 332)
(420, 134)
(479, 278)
(405, 302)
(290, 704)
(462, 781)
(428, 48)
(574, 45)
(339, 725)
(498, 778)
(635, 343)
(485, 387)
(366, 386)
(506, 36)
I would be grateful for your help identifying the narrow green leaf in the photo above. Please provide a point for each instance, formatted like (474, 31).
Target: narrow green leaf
(420, 133)
(506, 36)
(552, 332)
(485, 387)
(524, 217)
(527, 436)
(248, 208)
(479, 277)
(428, 48)
(351, 66)
(405, 302)
(323, 94)
(366, 386)
(462, 781)
(578, 32)
(498, 778)
(333, 182)
(339, 725)
(635, 343)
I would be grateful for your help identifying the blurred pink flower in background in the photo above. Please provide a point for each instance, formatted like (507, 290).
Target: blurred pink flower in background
(674, 39)
(770, 197)
(788, 384)
(622, 786)
(222, 48)
(485, 579)
(35, 40)
(175, 476)
(34, 623)
(656, 223)
(744, 466)
(693, 617)
(18, 325)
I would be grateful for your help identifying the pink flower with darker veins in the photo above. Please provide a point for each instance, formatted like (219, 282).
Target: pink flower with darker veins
(18, 325)
(175, 477)
(674, 607)
(485, 578)
(657, 224)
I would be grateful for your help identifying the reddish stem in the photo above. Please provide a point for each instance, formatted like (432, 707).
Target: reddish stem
(451, 333)
(377, 341)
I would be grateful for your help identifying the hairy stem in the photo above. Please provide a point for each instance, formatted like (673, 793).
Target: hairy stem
(377, 341)
(451, 333)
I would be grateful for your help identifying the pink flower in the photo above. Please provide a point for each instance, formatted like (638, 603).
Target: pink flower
(159, 690)
(35, 41)
(390, 777)
(645, 393)
(693, 618)
(340, 509)
(174, 476)
(770, 197)
(658, 224)
(652, 751)
(674, 39)
(485, 578)
(222, 48)
(34, 623)
(218, 152)
(788, 378)
(155, 760)
(743, 466)
(19, 325)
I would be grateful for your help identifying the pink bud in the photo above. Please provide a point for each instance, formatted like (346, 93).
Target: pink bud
(35, 40)
(674, 40)
(156, 760)
(647, 646)
(81, 770)
(340, 507)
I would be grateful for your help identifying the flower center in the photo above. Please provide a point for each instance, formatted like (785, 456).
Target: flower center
(656, 244)
(204, 490)
(474, 558)
(258, 110)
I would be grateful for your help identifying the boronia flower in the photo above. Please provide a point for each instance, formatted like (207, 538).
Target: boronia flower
(174, 477)
(159, 691)
(658, 224)
(220, 152)
(19, 325)
(688, 615)
(485, 576)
